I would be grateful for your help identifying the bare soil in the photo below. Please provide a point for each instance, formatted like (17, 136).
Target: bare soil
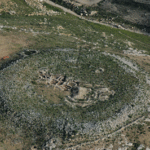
(51, 93)
(11, 43)
(143, 61)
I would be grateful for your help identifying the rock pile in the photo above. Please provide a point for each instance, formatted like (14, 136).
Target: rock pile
(51, 144)
(41, 9)
(135, 52)
(123, 62)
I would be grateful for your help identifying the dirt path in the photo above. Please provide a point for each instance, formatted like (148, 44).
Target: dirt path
(134, 39)
(88, 2)
(93, 21)
(61, 7)
(106, 136)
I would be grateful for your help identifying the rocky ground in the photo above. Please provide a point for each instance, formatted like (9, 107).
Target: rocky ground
(67, 83)
(129, 14)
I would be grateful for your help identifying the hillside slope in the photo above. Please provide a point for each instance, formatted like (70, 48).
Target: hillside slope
(133, 14)
(67, 83)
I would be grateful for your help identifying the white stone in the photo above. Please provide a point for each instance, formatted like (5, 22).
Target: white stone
(122, 148)
(147, 79)
(119, 26)
(147, 148)
(33, 148)
(111, 146)
(103, 34)
(12, 12)
(148, 109)
(140, 147)
(101, 69)
(93, 13)
(129, 144)
(147, 120)
(97, 71)
(82, 93)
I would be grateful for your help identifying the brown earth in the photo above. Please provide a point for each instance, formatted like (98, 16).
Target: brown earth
(12, 42)
(143, 61)
(7, 5)
(52, 94)
(9, 140)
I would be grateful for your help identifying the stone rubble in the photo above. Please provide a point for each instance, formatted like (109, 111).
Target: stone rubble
(126, 64)
(93, 13)
(135, 52)
(148, 109)
(123, 148)
(41, 9)
(51, 144)
(141, 147)
(79, 96)
(12, 12)
(148, 79)
(10, 27)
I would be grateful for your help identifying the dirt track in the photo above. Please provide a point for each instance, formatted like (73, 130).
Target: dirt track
(94, 21)
(61, 7)
(106, 136)
(88, 2)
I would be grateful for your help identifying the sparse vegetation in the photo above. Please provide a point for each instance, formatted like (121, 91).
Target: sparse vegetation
(52, 7)
(73, 47)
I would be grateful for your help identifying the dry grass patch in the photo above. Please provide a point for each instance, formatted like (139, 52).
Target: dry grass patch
(10, 140)
(139, 133)
(6, 5)
(10, 145)
(51, 94)
(4, 1)
(143, 61)
(65, 34)
(12, 42)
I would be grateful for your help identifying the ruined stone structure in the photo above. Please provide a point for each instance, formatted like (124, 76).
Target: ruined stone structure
(79, 96)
